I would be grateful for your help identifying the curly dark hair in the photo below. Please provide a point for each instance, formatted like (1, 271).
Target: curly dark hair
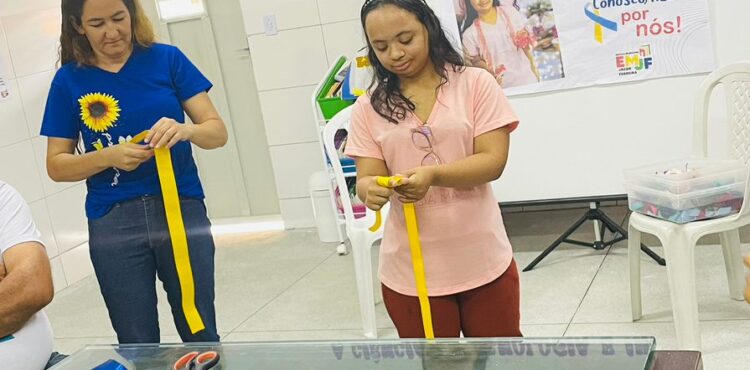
(385, 92)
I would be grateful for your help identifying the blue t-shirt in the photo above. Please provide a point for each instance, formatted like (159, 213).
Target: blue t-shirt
(108, 108)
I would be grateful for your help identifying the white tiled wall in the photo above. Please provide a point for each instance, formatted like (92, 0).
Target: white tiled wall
(68, 219)
(293, 165)
(292, 58)
(288, 65)
(284, 125)
(33, 90)
(341, 37)
(29, 32)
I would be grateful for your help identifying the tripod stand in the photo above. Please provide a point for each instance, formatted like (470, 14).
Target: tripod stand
(602, 223)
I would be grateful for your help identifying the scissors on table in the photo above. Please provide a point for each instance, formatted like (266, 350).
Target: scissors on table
(197, 361)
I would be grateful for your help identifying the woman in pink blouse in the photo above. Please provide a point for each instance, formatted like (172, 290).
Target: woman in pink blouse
(446, 129)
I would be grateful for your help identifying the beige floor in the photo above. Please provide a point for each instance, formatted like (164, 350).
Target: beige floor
(289, 285)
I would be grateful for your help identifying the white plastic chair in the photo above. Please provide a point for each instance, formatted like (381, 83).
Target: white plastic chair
(357, 229)
(679, 241)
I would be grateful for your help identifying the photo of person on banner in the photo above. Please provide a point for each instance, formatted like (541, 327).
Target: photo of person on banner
(516, 40)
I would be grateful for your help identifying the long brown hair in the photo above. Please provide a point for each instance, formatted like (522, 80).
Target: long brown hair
(75, 47)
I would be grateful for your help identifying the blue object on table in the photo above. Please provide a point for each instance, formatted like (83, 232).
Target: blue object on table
(111, 365)
(7, 339)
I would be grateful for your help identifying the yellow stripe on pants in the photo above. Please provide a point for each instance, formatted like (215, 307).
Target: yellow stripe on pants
(416, 256)
(176, 234)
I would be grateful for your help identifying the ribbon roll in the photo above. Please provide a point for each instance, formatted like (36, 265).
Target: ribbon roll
(176, 233)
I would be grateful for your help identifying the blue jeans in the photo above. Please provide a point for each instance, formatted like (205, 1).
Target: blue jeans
(130, 246)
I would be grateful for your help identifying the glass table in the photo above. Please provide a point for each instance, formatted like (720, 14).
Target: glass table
(615, 353)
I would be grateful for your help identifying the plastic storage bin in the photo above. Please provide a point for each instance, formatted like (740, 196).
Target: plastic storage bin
(686, 191)
(686, 176)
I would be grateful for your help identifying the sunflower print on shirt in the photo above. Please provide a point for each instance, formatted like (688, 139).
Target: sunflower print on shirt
(99, 113)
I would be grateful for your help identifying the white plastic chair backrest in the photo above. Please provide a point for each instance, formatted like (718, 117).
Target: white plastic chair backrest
(341, 121)
(735, 78)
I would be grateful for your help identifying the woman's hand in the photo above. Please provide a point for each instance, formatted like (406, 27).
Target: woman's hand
(376, 196)
(415, 183)
(168, 132)
(127, 156)
(747, 288)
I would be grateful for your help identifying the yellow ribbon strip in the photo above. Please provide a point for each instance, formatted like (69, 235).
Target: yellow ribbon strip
(598, 30)
(176, 233)
(378, 222)
(416, 255)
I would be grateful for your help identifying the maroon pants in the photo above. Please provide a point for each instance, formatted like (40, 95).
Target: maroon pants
(491, 310)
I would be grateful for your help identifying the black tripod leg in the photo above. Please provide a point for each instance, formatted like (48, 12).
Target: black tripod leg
(624, 233)
(556, 243)
(653, 255)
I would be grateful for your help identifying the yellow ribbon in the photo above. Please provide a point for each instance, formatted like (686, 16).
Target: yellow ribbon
(598, 30)
(416, 254)
(176, 234)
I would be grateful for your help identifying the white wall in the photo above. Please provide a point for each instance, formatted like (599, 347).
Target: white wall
(29, 30)
(312, 34)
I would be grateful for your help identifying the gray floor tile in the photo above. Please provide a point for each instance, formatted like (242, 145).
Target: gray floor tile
(726, 345)
(326, 299)
(543, 331)
(552, 292)
(608, 300)
(250, 274)
(79, 311)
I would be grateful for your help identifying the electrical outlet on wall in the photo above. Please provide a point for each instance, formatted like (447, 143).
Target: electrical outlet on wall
(269, 24)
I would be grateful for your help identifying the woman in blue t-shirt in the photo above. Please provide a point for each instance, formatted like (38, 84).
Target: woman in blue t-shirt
(113, 83)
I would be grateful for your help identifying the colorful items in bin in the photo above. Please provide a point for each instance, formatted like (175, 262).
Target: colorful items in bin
(728, 204)
(348, 165)
(339, 141)
(346, 89)
(336, 89)
(677, 171)
(359, 78)
(331, 105)
(689, 190)
(358, 208)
